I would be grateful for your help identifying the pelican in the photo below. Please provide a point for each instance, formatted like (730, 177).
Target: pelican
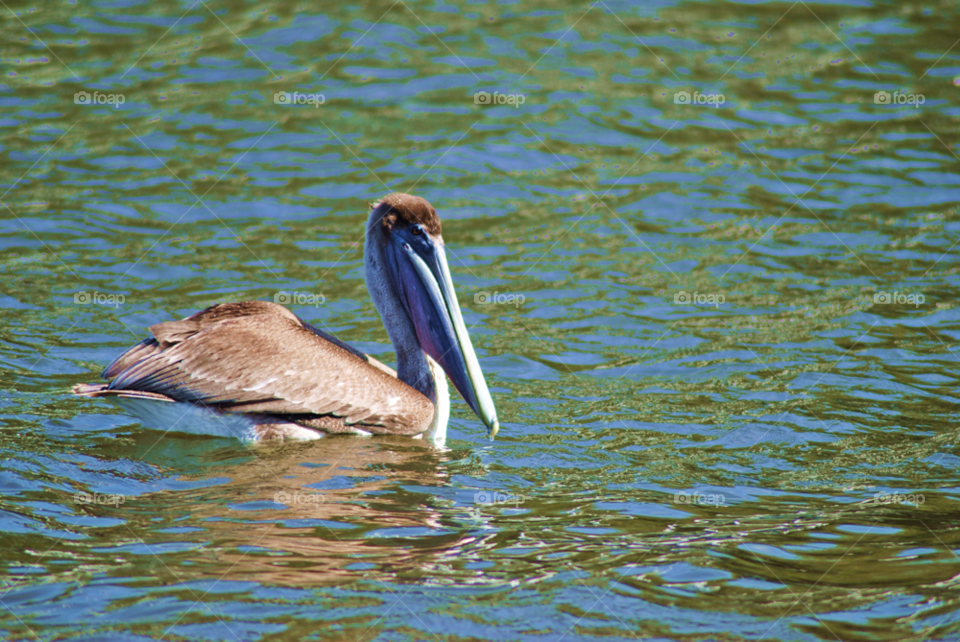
(264, 373)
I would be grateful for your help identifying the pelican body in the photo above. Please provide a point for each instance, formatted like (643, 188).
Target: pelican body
(264, 373)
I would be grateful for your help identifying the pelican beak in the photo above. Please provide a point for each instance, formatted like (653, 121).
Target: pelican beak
(418, 268)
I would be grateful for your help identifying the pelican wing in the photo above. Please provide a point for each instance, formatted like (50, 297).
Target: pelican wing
(140, 351)
(258, 357)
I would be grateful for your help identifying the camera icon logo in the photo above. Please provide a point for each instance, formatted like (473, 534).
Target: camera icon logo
(281, 497)
(882, 298)
(483, 497)
(282, 98)
(283, 298)
(881, 98)
(681, 498)
(481, 298)
(682, 297)
(81, 298)
(481, 98)
(681, 98)
(81, 98)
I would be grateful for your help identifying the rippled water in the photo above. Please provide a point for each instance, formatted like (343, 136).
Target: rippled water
(721, 333)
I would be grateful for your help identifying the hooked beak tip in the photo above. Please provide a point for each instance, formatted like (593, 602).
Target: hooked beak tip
(494, 429)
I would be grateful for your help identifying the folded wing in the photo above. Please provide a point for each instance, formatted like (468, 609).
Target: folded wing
(258, 357)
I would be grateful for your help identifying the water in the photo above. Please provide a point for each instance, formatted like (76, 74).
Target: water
(721, 336)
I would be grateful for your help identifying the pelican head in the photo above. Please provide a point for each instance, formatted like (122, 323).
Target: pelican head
(410, 284)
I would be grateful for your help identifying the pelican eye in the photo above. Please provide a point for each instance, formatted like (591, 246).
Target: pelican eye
(417, 230)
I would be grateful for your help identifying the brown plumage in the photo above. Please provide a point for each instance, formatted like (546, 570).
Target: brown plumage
(408, 210)
(257, 357)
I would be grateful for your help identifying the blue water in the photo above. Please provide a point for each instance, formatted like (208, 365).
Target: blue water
(720, 326)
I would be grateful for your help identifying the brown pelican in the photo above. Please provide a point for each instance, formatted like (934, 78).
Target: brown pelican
(263, 372)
